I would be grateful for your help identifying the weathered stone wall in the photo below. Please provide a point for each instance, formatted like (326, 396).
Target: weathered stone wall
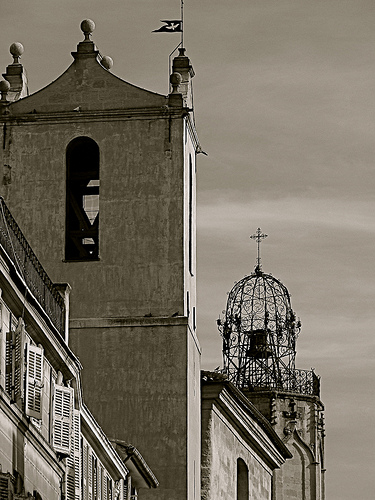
(298, 420)
(141, 213)
(137, 385)
(222, 446)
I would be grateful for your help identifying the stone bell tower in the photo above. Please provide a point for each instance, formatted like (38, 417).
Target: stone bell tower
(259, 332)
(100, 175)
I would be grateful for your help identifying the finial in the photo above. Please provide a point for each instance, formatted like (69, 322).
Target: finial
(87, 26)
(106, 62)
(175, 80)
(16, 49)
(4, 89)
(258, 237)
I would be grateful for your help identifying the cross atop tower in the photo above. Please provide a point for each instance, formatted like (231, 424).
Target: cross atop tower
(258, 237)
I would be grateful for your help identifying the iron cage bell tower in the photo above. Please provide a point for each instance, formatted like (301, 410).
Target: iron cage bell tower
(259, 332)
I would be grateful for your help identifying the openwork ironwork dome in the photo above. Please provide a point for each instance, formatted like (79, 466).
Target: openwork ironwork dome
(259, 332)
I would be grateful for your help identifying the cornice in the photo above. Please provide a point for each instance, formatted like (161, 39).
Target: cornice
(79, 116)
(148, 321)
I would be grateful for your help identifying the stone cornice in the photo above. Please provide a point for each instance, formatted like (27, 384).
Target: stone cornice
(160, 112)
(149, 321)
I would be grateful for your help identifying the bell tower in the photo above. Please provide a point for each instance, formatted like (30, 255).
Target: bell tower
(259, 332)
(100, 175)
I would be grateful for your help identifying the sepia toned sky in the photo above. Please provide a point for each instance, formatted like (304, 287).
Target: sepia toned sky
(284, 98)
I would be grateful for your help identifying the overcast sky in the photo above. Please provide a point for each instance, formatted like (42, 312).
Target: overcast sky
(284, 104)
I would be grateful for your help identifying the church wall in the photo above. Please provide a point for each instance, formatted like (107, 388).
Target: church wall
(298, 420)
(222, 446)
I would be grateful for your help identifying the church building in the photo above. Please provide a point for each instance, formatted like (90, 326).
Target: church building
(101, 177)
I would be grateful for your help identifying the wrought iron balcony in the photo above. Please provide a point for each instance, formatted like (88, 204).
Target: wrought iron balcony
(28, 266)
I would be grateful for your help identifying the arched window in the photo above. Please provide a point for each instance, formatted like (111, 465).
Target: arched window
(82, 200)
(242, 480)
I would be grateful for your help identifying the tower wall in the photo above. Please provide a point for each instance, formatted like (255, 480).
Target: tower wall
(141, 228)
(298, 421)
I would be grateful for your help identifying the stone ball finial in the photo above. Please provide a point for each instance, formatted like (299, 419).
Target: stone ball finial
(107, 62)
(87, 26)
(16, 49)
(4, 86)
(4, 89)
(175, 80)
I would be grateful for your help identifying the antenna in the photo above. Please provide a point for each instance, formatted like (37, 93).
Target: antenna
(258, 237)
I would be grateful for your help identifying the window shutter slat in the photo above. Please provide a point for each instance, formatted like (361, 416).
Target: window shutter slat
(34, 381)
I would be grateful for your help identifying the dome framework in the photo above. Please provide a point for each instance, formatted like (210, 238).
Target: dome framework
(259, 332)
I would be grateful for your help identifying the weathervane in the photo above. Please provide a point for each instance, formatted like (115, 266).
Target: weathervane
(258, 237)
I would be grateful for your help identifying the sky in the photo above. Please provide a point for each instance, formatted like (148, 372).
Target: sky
(284, 104)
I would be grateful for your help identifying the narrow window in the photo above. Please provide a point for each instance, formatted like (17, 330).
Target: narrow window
(82, 200)
(242, 480)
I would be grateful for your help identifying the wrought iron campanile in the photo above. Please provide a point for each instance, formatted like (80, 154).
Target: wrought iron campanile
(259, 332)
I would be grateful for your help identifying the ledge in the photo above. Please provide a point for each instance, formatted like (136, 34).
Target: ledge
(148, 321)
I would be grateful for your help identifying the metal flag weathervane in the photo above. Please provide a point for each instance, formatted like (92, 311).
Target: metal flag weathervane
(174, 26)
(258, 237)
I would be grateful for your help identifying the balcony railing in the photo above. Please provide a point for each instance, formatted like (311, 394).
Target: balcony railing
(28, 266)
(304, 382)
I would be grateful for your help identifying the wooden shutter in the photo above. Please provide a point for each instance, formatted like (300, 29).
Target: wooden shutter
(15, 363)
(63, 419)
(7, 482)
(73, 462)
(19, 363)
(77, 452)
(34, 381)
(84, 471)
(104, 485)
(89, 474)
(8, 363)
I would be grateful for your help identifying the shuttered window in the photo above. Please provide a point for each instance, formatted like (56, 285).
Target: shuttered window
(63, 419)
(84, 471)
(73, 462)
(34, 381)
(77, 453)
(6, 486)
(15, 363)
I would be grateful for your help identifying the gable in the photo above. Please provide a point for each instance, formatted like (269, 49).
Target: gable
(87, 86)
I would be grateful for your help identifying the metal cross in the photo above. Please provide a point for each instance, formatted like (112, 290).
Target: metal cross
(258, 236)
